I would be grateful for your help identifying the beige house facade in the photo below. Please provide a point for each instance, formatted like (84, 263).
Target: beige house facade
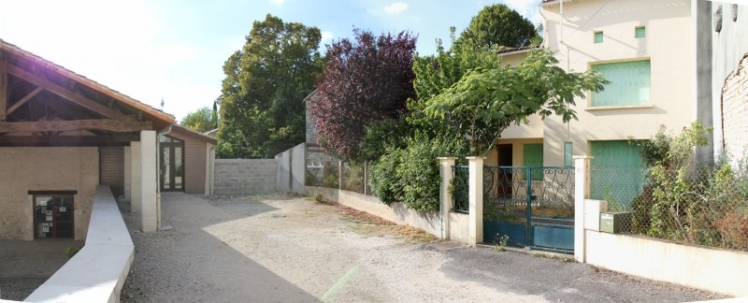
(645, 48)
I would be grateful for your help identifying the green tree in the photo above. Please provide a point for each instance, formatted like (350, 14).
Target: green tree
(201, 120)
(261, 109)
(487, 100)
(498, 25)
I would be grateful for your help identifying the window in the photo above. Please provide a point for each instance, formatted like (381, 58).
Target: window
(630, 84)
(53, 214)
(598, 37)
(533, 156)
(568, 151)
(640, 32)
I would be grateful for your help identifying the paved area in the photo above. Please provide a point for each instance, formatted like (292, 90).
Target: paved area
(24, 265)
(279, 249)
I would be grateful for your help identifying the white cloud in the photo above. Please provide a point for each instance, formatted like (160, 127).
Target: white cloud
(277, 2)
(527, 8)
(396, 8)
(327, 36)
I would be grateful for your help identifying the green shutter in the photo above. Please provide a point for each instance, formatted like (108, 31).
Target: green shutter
(568, 154)
(533, 156)
(640, 32)
(617, 173)
(630, 84)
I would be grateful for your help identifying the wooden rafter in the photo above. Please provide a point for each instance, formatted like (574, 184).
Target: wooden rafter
(115, 139)
(23, 100)
(72, 96)
(93, 124)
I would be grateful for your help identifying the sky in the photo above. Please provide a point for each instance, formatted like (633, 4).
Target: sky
(175, 49)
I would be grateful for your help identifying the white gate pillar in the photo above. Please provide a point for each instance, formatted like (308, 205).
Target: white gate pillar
(475, 185)
(581, 192)
(446, 203)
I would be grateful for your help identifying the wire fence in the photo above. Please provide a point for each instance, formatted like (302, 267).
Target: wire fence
(460, 189)
(705, 207)
(356, 177)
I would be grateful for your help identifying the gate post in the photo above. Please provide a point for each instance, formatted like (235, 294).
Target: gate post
(581, 192)
(446, 203)
(475, 184)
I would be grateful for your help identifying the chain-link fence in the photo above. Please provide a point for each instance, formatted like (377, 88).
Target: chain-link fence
(356, 177)
(321, 169)
(707, 207)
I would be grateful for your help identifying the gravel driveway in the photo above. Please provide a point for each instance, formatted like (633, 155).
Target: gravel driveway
(279, 249)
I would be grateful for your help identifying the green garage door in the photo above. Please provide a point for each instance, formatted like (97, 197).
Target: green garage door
(617, 172)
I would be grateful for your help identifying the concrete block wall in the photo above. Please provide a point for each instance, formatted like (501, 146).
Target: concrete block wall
(27, 169)
(735, 112)
(235, 177)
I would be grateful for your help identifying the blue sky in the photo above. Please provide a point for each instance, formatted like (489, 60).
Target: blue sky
(175, 49)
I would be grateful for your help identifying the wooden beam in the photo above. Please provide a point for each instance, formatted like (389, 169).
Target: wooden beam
(75, 97)
(93, 124)
(24, 100)
(115, 139)
(4, 91)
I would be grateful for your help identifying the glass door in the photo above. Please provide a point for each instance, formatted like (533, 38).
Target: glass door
(172, 164)
(54, 216)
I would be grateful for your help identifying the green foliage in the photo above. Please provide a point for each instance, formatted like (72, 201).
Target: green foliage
(331, 181)
(201, 120)
(485, 101)
(385, 183)
(383, 134)
(261, 109)
(71, 251)
(411, 175)
(498, 25)
(501, 241)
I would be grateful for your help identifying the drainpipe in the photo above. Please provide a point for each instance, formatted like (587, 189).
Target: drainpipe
(158, 175)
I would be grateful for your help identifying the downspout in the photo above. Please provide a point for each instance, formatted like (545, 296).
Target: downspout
(158, 175)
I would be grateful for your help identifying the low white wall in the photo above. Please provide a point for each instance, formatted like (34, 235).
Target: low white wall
(395, 212)
(458, 227)
(714, 270)
(98, 271)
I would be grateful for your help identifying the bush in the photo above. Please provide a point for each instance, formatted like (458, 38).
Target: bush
(385, 183)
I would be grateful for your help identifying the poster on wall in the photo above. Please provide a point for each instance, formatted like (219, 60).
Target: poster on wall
(49, 218)
(62, 209)
(45, 228)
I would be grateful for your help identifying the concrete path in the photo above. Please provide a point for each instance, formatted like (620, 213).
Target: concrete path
(271, 249)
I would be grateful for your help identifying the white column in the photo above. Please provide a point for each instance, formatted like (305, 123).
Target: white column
(475, 183)
(127, 174)
(446, 203)
(148, 181)
(135, 185)
(581, 192)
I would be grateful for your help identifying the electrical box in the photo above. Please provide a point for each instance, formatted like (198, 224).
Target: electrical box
(615, 222)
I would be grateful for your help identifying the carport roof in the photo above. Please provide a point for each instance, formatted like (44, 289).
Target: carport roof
(107, 99)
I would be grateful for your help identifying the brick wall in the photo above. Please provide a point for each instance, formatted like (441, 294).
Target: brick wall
(735, 111)
(45, 169)
(245, 176)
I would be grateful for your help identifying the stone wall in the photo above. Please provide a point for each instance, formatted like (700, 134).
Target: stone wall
(24, 169)
(735, 112)
(244, 176)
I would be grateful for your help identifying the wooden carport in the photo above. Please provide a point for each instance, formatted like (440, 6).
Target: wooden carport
(47, 109)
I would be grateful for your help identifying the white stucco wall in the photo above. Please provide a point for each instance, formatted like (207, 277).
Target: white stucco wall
(45, 169)
(667, 44)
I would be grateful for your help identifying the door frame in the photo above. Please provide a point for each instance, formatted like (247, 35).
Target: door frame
(171, 146)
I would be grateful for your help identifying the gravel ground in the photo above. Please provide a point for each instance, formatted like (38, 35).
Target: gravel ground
(282, 249)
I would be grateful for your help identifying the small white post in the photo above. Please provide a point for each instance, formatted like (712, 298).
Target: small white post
(446, 203)
(475, 183)
(581, 192)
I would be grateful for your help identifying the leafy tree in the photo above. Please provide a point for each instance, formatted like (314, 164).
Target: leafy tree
(498, 25)
(201, 120)
(261, 109)
(366, 80)
(488, 100)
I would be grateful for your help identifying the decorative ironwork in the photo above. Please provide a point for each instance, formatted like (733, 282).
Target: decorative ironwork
(459, 189)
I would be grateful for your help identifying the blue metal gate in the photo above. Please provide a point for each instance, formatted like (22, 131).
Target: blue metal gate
(533, 206)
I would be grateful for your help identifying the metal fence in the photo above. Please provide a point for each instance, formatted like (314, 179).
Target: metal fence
(356, 177)
(707, 207)
(460, 188)
(518, 192)
(321, 170)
